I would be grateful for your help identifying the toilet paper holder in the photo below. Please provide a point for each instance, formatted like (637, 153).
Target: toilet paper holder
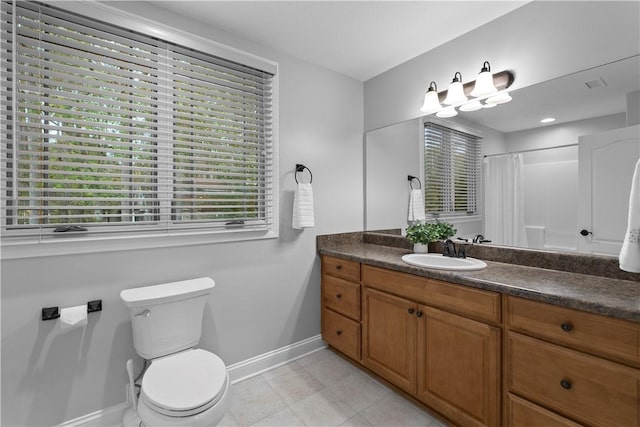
(52, 313)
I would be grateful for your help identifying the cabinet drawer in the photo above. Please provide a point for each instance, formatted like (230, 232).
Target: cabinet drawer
(614, 338)
(470, 302)
(583, 387)
(341, 333)
(522, 413)
(349, 270)
(341, 296)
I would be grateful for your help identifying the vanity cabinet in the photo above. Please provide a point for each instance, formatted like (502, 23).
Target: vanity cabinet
(482, 358)
(447, 360)
(582, 366)
(341, 297)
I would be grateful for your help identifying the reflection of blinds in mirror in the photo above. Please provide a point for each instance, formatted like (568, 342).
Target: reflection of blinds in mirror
(451, 171)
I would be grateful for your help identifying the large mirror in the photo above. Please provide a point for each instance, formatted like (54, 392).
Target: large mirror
(575, 172)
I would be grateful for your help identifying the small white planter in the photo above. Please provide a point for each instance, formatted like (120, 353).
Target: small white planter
(420, 248)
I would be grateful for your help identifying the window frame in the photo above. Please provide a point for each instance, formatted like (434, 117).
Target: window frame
(87, 243)
(457, 217)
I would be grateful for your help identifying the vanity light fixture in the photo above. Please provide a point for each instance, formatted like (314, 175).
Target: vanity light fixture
(447, 112)
(431, 101)
(489, 88)
(500, 98)
(484, 83)
(472, 105)
(548, 120)
(455, 94)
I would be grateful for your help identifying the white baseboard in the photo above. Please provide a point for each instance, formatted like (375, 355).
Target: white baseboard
(108, 417)
(112, 416)
(264, 362)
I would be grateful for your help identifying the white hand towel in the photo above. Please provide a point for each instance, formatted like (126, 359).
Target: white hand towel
(630, 252)
(416, 206)
(303, 206)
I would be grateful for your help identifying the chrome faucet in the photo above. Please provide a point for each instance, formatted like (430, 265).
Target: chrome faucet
(479, 238)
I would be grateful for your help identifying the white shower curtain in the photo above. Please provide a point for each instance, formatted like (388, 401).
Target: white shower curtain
(504, 200)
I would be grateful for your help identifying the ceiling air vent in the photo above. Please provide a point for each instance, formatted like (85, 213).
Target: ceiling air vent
(599, 82)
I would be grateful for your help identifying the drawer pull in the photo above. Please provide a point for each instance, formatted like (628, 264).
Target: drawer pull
(419, 313)
(338, 296)
(566, 326)
(339, 332)
(411, 311)
(566, 384)
(338, 267)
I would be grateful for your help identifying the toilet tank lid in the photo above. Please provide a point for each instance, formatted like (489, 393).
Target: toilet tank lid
(167, 291)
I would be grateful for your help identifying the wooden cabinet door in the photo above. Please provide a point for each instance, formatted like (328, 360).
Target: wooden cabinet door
(389, 338)
(458, 367)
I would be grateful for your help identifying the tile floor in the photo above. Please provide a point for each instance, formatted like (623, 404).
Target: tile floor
(320, 389)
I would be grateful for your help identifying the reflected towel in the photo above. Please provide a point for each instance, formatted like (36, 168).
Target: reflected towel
(630, 252)
(416, 206)
(303, 206)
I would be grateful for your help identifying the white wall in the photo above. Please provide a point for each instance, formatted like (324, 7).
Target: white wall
(539, 41)
(267, 293)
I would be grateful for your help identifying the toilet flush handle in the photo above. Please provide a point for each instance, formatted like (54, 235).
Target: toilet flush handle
(145, 313)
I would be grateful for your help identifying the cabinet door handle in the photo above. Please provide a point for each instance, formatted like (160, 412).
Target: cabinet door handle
(338, 267)
(566, 326)
(338, 296)
(419, 313)
(411, 311)
(339, 332)
(566, 384)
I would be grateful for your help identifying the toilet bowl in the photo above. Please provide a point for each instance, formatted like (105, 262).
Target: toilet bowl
(183, 385)
(189, 388)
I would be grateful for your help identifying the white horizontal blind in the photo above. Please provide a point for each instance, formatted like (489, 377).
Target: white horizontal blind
(451, 171)
(117, 131)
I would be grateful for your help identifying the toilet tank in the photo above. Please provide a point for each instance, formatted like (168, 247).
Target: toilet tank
(167, 318)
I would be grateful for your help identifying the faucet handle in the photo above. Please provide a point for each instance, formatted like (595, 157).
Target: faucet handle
(461, 252)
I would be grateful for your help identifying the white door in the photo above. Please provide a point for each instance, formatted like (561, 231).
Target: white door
(605, 169)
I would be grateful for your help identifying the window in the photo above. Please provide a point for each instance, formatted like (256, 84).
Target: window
(114, 131)
(451, 171)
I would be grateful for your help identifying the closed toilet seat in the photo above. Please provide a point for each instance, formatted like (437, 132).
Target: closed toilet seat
(184, 384)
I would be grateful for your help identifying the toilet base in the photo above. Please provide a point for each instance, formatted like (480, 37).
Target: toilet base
(207, 418)
(131, 418)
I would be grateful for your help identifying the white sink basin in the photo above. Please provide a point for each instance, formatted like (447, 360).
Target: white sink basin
(440, 262)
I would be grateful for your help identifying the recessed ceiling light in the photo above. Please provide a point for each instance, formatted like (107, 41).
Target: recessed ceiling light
(548, 120)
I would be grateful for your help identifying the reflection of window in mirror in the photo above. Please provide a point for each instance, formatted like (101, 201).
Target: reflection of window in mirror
(451, 172)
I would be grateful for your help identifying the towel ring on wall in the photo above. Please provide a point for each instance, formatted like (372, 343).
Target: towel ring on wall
(301, 168)
(410, 178)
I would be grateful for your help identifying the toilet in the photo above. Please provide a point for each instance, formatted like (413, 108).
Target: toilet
(183, 385)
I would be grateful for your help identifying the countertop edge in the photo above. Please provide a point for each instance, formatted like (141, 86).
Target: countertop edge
(589, 301)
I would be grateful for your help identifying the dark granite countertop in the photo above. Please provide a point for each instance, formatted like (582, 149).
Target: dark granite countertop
(596, 294)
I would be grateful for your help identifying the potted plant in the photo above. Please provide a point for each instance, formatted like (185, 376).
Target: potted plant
(421, 234)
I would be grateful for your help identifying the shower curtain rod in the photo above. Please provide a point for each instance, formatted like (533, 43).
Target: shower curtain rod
(530, 150)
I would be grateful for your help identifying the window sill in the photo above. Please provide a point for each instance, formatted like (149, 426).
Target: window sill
(87, 244)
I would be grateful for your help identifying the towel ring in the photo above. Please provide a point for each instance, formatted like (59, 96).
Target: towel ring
(301, 168)
(410, 178)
